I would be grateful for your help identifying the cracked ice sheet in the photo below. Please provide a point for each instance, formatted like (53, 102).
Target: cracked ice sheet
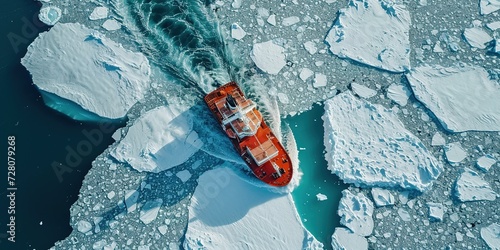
(373, 32)
(227, 212)
(160, 139)
(367, 145)
(462, 98)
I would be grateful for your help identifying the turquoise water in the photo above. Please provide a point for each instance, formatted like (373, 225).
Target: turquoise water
(319, 217)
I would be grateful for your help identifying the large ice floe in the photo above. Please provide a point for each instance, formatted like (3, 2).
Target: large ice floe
(491, 235)
(227, 212)
(268, 57)
(355, 213)
(367, 145)
(462, 98)
(160, 139)
(87, 69)
(373, 32)
(470, 186)
(344, 239)
(489, 6)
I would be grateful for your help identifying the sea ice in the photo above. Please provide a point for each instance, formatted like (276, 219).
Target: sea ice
(373, 32)
(50, 15)
(149, 211)
(367, 145)
(355, 213)
(454, 153)
(363, 91)
(118, 79)
(485, 162)
(438, 140)
(493, 25)
(83, 226)
(99, 13)
(111, 24)
(319, 80)
(184, 175)
(477, 37)
(268, 57)
(403, 214)
(305, 73)
(321, 197)
(399, 93)
(344, 239)
(237, 32)
(289, 21)
(160, 139)
(491, 235)
(436, 211)
(227, 212)
(382, 197)
(272, 20)
(310, 47)
(131, 197)
(471, 187)
(489, 6)
(462, 98)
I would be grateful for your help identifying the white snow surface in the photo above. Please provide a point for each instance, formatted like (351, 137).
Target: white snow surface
(477, 37)
(344, 239)
(382, 197)
(362, 90)
(160, 139)
(485, 162)
(399, 93)
(373, 32)
(268, 57)
(462, 98)
(99, 13)
(227, 212)
(436, 211)
(119, 77)
(489, 6)
(367, 145)
(355, 213)
(470, 186)
(320, 80)
(237, 32)
(50, 15)
(491, 235)
(454, 153)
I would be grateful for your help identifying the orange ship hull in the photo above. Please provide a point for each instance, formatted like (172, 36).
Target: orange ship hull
(250, 135)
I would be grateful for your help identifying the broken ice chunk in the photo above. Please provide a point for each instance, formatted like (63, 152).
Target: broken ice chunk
(436, 211)
(399, 93)
(489, 6)
(319, 80)
(382, 197)
(321, 197)
(111, 24)
(305, 73)
(405, 216)
(272, 20)
(491, 235)
(237, 32)
(477, 37)
(485, 162)
(471, 187)
(344, 239)
(150, 210)
(363, 91)
(131, 197)
(454, 153)
(438, 140)
(310, 47)
(83, 226)
(184, 175)
(493, 25)
(355, 213)
(99, 13)
(50, 15)
(288, 21)
(268, 57)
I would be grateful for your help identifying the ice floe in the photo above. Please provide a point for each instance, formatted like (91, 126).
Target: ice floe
(118, 78)
(160, 139)
(438, 140)
(373, 32)
(237, 32)
(454, 153)
(83, 226)
(99, 13)
(268, 57)
(477, 37)
(462, 98)
(436, 211)
(399, 93)
(184, 175)
(131, 197)
(470, 186)
(344, 239)
(485, 162)
(111, 24)
(50, 15)
(367, 145)
(489, 6)
(149, 211)
(363, 91)
(310, 47)
(305, 73)
(289, 21)
(321, 197)
(226, 212)
(355, 213)
(491, 235)
(320, 80)
(382, 197)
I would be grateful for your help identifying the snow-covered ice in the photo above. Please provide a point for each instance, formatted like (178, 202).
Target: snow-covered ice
(50, 15)
(436, 211)
(367, 145)
(227, 212)
(111, 24)
(355, 213)
(305, 73)
(320, 80)
(268, 57)
(237, 32)
(362, 90)
(489, 6)
(311, 48)
(382, 197)
(149, 211)
(99, 13)
(470, 186)
(83, 226)
(403, 214)
(491, 235)
(462, 98)
(454, 153)
(485, 162)
(321, 197)
(438, 140)
(477, 37)
(373, 32)
(344, 239)
(289, 21)
(118, 78)
(160, 139)
(399, 93)
(131, 197)
(184, 175)
(272, 20)
(493, 25)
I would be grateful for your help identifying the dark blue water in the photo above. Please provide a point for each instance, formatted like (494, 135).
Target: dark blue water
(43, 138)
